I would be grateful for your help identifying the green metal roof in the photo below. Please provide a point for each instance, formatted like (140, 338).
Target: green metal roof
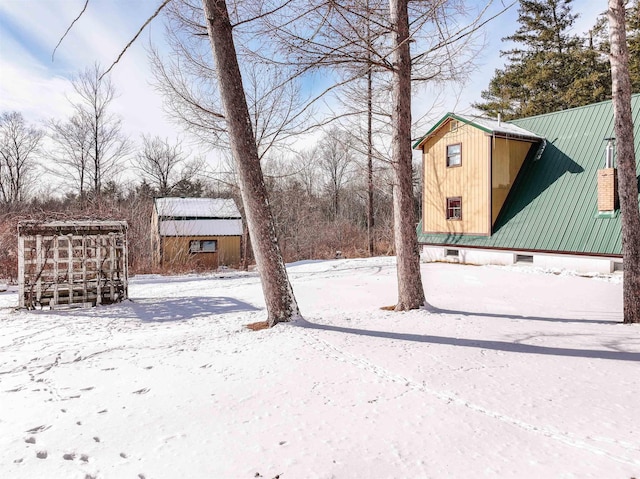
(552, 205)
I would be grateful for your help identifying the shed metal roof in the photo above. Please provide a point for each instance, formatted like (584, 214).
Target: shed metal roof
(196, 208)
(552, 205)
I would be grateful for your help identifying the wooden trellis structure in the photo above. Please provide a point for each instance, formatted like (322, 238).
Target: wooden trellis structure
(72, 263)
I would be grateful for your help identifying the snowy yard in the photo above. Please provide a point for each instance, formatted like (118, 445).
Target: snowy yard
(510, 374)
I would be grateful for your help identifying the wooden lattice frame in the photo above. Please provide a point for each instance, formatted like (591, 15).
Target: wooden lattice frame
(72, 263)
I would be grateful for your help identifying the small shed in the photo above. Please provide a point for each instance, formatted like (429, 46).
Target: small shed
(203, 232)
(66, 263)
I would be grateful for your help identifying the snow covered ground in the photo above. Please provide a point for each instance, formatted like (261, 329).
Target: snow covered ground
(509, 373)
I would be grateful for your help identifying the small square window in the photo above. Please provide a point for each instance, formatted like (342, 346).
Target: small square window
(203, 246)
(454, 155)
(454, 208)
(209, 246)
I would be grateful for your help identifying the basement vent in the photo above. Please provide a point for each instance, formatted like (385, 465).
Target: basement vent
(617, 266)
(524, 258)
(451, 253)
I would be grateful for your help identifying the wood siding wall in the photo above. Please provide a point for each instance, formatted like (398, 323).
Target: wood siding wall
(508, 157)
(470, 181)
(175, 250)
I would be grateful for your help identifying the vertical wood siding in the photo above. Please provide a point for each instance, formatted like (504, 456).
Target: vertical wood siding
(175, 250)
(469, 181)
(508, 157)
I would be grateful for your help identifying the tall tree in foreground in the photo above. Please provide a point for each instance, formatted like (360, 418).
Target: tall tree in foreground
(410, 291)
(279, 298)
(627, 182)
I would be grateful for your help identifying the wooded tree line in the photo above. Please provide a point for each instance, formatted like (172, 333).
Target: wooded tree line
(318, 195)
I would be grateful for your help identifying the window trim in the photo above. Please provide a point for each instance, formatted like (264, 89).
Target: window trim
(449, 209)
(449, 165)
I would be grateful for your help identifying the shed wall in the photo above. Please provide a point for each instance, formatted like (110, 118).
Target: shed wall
(175, 250)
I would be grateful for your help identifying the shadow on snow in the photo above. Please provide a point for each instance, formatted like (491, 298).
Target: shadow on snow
(181, 309)
(435, 309)
(511, 347)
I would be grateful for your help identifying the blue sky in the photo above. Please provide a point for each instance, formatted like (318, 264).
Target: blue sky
(34, 84)
(30, 82)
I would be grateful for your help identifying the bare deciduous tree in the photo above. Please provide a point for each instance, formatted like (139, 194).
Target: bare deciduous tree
(279, 298)
(335, 161)
(164, 165)
(410, 291)
(71, 152)
(107, 145)
(627, 181)
(19, 147)
(187, 81)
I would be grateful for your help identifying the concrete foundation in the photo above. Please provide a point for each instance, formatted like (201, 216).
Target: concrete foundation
(578, 263)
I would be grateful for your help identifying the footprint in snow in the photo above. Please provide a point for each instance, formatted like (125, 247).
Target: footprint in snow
(141, 391)
(30, 440)
(41, 454)
(69, 456)
(37, 429)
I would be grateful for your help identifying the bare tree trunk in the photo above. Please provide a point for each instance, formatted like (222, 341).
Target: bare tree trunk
(410, 291)
(627, 182)
(279, 298)
(370, 218)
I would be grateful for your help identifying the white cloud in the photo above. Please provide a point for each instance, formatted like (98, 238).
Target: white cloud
(34, 85)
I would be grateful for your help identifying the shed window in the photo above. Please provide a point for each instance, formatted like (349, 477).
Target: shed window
(203, 246)
(454, 155)
(454, 208)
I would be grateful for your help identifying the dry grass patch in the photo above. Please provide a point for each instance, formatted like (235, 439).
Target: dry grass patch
(260, 325)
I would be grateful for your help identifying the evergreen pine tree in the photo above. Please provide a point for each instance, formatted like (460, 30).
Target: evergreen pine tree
(549, 68)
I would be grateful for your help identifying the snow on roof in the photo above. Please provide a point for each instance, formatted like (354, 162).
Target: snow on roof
(201, 227)
(489, 125)
(197, 207)
(499, 127)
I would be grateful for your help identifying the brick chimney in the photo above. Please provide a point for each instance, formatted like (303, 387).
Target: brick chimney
(608, 182)
(607, 190)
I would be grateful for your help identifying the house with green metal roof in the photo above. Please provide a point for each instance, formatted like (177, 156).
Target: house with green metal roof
(539, 190)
